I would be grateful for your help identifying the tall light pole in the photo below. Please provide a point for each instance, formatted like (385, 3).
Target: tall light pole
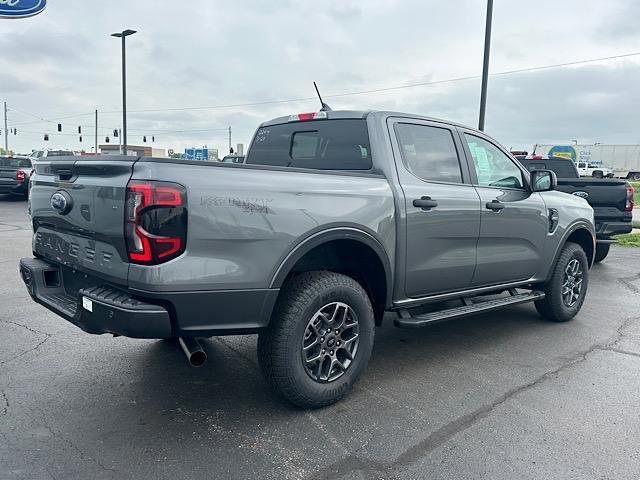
(6, 132)
(123, 35)
(485, 65)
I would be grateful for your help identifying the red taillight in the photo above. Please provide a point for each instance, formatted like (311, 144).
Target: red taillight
(536, 157)
(303, 117)
(20, 176)
(629, 203)
(156, 221)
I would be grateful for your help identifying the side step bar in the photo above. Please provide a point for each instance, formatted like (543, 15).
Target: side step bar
(405, 320)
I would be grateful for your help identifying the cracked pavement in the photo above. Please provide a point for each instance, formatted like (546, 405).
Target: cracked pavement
(496, 396)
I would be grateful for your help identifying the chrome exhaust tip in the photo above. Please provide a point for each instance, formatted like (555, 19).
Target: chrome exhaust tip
(193, 350)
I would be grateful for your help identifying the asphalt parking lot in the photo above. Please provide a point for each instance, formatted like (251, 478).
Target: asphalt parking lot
(497, 396)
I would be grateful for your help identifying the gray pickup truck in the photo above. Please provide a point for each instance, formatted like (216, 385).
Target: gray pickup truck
(336, 218)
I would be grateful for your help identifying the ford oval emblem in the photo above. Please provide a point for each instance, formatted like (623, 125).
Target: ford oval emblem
(21, 8)
(581, 194)
(61, 202)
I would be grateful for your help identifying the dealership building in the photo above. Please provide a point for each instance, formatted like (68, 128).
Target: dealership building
(137, 150)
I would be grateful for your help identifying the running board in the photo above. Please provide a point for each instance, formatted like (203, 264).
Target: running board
(405, 320)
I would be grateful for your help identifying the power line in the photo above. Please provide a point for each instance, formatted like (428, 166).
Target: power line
(386, 89)
(353, 93)
(50, 120)
(148, 131)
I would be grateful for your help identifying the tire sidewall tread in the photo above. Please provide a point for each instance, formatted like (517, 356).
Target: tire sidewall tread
(552, 306)
(279, 346)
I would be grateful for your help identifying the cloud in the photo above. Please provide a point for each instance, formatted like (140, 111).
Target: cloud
(216, 53)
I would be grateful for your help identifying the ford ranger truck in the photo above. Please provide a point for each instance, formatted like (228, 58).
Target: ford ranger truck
(335, 219)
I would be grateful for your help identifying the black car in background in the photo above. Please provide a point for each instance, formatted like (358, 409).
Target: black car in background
(15, 172)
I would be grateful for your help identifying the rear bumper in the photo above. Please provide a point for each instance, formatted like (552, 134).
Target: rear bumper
(15, 188)
(143, 314)
(94, 309)
(604, 230)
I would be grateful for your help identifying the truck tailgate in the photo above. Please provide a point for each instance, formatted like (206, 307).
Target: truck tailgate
(607, 194)
(77, 209)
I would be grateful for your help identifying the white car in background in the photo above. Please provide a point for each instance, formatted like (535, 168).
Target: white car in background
(51, 153)
(590, 170)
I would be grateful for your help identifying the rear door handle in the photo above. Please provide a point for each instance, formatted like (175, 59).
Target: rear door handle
(425, 203)
(495, 205)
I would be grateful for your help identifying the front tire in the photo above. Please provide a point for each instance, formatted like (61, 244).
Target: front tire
(566, 289)
(602, 250)
(319, 340)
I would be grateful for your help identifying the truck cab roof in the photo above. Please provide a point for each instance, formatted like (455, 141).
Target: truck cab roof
(355, 114)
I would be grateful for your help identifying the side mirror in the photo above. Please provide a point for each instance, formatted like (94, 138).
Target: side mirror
(543, 180)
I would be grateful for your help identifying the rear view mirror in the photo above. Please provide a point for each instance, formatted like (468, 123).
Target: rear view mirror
(543, 180)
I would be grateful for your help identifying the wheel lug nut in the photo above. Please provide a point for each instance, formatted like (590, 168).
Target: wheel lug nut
(324, 351)
(338, 343)
(322, 339)
(331, 352)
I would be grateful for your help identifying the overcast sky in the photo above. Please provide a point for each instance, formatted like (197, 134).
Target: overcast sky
(202, 53)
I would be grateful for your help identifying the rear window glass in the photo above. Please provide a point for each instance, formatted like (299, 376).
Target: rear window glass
(232, 160)
(562, 169)
(59, 153)
(320, 144)
(15, 162)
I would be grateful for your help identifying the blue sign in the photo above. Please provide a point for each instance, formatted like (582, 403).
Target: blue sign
(21, 8)
(564, 151)
(196, 154)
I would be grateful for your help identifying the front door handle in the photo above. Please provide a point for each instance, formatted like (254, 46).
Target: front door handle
(425, 203)
(495, 205)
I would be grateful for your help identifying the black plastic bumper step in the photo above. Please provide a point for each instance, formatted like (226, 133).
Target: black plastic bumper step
(95, 309)
(407, 321)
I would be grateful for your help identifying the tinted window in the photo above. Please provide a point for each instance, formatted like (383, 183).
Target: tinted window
(562, 168)
(59, 153)
(493, 167)
(232, 160)
(15, 162)
(319, 144)
(429, 152)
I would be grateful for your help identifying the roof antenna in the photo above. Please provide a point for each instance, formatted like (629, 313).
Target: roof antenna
(325, 107)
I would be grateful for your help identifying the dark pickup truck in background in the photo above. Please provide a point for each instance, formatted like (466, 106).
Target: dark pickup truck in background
(611, 199)
(14, 175)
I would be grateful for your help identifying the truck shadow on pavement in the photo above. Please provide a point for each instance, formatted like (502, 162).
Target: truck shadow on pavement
(231, 378)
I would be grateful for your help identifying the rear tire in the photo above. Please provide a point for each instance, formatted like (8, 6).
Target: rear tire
(566, 289)
(602, 250)
(635, 176)
(303, 327)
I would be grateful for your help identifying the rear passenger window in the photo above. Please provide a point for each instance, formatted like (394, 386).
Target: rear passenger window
(429, 152)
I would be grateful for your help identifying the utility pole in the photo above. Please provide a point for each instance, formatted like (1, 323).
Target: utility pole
(6, 132)
(485, 65)
(123, 35)
(96, 133)
(229, 138)
(120, 139)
